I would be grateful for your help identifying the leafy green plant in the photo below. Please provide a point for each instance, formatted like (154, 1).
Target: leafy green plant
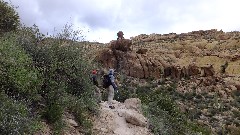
(65, 76)
(15, 117)
(48, 76)
(9, 19)
(18, 78)
(163, 113)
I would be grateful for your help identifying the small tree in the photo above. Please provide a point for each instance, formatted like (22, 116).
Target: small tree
(9, 18)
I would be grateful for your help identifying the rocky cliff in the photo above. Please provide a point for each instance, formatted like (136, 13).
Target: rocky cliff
(174, 55)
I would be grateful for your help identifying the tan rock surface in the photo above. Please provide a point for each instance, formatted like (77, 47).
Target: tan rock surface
(119, 121)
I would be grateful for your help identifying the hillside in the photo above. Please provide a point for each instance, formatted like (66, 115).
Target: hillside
(204, 67)
(170, 84)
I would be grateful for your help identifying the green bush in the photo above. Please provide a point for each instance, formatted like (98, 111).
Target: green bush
(18, 76)
(49, 76)
(9, 19)
(163, 113)
(15, 117)
(20, 82)
(65, 75)
(81, 114)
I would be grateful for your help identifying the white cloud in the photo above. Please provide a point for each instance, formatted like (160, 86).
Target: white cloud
(104, 18)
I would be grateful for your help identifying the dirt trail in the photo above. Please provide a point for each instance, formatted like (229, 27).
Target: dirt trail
(125, 119)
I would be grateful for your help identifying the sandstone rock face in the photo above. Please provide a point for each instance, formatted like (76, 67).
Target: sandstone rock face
(107, 58)
(142, 66)
(121, 44)
(207, 71)
(172, 55)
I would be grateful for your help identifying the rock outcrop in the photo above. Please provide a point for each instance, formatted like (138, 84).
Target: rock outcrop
(207, 70)
(121, 44)
(120, 56)
(123, 120)
(173, 55)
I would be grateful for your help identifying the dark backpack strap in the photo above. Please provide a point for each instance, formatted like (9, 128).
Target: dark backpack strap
(109, 80)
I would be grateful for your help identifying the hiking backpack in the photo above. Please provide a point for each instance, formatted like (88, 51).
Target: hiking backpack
(106, 81)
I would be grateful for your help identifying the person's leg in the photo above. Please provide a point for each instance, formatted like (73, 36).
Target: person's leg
(98, 94)
(110, 95)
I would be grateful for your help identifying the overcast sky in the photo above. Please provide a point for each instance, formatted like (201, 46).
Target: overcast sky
(104, 18)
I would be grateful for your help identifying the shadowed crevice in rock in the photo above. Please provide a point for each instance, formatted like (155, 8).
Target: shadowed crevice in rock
(141, 63)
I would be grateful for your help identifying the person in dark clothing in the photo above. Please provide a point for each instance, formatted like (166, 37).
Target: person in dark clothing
(94, 77)
(97, 91)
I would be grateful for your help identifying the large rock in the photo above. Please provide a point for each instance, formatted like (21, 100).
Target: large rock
(141, 65)
(134, 118)
(121, 44)
(107, 58)
(133, 103)
(207, 71)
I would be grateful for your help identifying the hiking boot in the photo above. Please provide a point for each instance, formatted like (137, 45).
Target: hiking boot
(112, 107)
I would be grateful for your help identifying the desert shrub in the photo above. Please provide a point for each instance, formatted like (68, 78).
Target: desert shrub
(20, 82)
(49, 75)
(18, 77)
(81, 114)
(164, 115)
(126, 90)
(123, 94)
(65, 74)
(144, 93)
(15, 117)
(9, 19)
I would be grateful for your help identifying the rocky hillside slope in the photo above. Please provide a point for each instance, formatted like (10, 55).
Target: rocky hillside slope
(204, 66)
(176, 55)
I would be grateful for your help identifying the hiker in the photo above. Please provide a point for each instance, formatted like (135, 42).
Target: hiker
(109, 83)
(94, 77)
(97, 92)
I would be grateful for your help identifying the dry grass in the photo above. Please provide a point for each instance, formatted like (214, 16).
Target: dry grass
(214, 60)
(233, 68)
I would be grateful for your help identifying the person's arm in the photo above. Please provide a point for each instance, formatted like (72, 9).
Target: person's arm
(112, 78)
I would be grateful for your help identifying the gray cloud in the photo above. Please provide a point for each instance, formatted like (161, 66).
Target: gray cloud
(105, 17)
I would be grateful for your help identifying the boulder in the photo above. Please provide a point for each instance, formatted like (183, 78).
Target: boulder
(134, 118)
(207, 71)
(121, 44)
(238, 87)
(107, 58)
(133, 103)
